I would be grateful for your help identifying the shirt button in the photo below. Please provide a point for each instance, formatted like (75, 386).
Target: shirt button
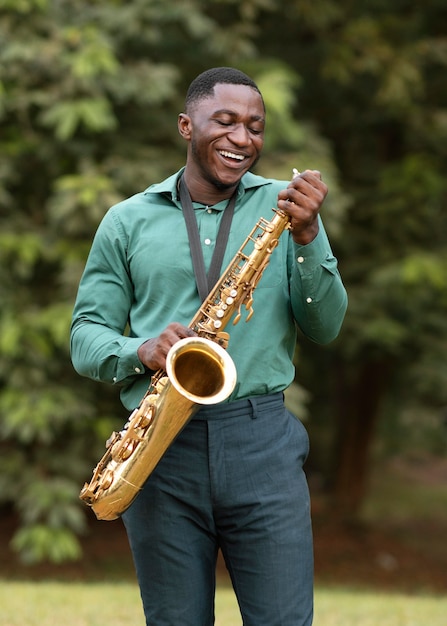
(210, 211)
(207, 242)
(300, 259)
(308, 300)
(114, 379)
(138, 370)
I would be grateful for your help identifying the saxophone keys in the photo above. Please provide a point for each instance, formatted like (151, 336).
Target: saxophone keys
(127, 450)
(87, 493)
(222, 338)
(238, 316)
(107, 480)
(249, 306)
(160, 384)
(146, 418)
(124, 451)
(114, 437)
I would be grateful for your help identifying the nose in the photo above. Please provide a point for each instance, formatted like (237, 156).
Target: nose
(239, 135)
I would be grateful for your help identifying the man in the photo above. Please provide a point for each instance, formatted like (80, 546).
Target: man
(233, 479)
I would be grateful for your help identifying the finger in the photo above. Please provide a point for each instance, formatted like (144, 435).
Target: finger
(306, 173)
(183, 331)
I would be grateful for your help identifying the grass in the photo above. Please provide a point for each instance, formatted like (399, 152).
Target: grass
(118, 604)
(347, 608)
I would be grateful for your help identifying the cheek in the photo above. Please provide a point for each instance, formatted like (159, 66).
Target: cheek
(199, 146)
(258, 142)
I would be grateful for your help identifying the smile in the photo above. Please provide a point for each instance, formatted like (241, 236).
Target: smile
(232, 155)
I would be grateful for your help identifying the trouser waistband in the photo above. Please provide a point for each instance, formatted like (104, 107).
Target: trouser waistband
(238, 408)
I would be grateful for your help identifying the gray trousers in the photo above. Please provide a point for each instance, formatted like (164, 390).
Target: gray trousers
(233, 479)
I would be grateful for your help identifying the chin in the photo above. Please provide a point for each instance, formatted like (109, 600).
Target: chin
(227, 182)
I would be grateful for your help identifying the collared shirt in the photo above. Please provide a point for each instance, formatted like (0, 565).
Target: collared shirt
(139, 277)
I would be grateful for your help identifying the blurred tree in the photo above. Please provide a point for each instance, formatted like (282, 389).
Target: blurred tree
(89, 96)
(372, 76)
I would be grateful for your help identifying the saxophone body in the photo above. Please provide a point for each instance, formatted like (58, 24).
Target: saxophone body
(199, 371)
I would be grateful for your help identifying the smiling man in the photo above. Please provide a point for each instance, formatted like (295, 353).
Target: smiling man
(233, 479)
(225, 134)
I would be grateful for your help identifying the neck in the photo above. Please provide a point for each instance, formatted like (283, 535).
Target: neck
(206, 193)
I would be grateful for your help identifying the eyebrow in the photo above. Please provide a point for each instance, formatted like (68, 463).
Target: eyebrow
(255, 118)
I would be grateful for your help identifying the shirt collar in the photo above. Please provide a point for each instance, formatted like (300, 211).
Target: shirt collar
(169, 185)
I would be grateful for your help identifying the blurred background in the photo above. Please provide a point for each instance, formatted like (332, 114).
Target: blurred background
(89, 96)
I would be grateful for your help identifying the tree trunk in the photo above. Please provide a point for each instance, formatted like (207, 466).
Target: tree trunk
(357, 412)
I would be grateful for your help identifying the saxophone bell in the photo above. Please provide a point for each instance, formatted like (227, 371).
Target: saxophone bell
(201, 370)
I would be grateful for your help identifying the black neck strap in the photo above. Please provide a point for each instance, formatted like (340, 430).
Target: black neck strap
(205, 282)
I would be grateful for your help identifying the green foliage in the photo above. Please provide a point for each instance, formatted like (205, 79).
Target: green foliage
(66, 117)
(23, 6)
(89, 95)
(371, 82)
(41, 541)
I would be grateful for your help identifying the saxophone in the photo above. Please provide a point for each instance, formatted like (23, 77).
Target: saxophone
(199, 371)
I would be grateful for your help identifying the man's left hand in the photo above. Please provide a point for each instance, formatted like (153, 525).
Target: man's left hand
(302, 200)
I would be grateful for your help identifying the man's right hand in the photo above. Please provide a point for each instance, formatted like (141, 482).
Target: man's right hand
(152, 353)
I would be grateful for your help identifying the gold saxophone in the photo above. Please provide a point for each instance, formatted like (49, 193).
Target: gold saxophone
(199, 371)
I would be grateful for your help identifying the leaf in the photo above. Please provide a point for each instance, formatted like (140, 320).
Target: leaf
(91, 54)
(23, 6)
(39, 542)
(95, 114)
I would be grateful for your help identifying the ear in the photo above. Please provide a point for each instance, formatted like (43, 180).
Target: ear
(184, 126)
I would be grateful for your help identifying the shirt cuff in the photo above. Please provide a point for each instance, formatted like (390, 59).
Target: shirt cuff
(128, 362)
(314, 254)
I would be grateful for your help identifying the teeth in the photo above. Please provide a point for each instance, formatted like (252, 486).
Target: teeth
(231, 155)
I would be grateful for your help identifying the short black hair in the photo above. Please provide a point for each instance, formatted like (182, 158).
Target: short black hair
(203, 85)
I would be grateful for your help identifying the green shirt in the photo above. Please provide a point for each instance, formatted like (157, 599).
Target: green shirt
(139, 277)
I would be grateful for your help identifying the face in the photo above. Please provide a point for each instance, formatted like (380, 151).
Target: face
(225, 134)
